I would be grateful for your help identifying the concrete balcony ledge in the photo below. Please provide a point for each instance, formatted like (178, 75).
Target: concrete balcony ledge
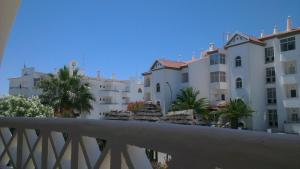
(289, 55)
(218, 67)
(219, 85)
(289, 79)
(291, 102)
(189, 146)
(292, 128)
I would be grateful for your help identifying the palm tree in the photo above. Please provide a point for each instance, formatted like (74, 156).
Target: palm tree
(235, 110)
(187, 99)
(66, 92)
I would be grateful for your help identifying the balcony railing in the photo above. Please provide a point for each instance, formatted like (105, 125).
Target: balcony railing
(71, 143)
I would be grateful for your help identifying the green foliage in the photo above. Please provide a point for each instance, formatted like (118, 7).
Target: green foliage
(15, 106)
(235, 110)
(187, 99)
(66, 92)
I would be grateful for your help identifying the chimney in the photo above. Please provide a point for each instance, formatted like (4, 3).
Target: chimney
(113, 77)
(228, 36)
(289, 24)
(275, 30)
(193, 56)
(212, 47)
(98, 75)
(262, 34)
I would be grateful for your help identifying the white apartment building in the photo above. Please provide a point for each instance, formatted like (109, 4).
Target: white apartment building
(109, 93)
(263, 71)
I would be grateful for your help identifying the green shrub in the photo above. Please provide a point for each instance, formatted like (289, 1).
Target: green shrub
(17, 106)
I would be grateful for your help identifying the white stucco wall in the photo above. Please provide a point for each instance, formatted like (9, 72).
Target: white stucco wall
(199, 77)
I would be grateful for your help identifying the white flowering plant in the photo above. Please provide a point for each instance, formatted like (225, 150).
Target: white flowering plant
(18, 106)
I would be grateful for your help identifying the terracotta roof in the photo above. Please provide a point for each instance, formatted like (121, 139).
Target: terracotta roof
(296, 30)
(255, 40)
(172, 64)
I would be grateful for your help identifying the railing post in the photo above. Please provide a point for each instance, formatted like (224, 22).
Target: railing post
(75, 138)
(19, 147)
(45, 136)
(115, 160)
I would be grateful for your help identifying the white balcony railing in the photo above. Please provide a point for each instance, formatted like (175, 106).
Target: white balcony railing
(289, 79)
(288, 56)
(71, 143)
(291, 103)
(219, 85)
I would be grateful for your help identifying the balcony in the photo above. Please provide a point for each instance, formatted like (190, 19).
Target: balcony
(218, 85)
(71, 143)
(289, 79)
(288, 56)
(292, 128)
(218, 67)
(291, 102)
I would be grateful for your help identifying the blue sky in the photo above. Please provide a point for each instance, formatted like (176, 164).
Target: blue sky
(125, 37)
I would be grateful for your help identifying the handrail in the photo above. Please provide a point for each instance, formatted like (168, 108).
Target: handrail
(189, 146)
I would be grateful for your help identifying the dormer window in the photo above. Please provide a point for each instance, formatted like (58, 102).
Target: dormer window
(238, 61)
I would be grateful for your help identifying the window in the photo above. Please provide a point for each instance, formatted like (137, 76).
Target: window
(269, 55)
(287, 44)
(238, 61)
(291, 90)
(214, 77)
(238, 83)
(291, 69)
(147, 82)
(158, 103)
(223, 97)
(295, 117)
(157, 87)
(140, 90)
(271, 95)
(270, 75)
(185, 77)
(272, 118)
(214, 59)
(217, 77)
(222, 59)
(293, 93)
(293, 114)
(217, 59)
(222, 77)
(36, 81)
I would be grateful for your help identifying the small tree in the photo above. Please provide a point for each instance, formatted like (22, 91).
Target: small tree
(235, 110)
(187, 99)
(17, 106)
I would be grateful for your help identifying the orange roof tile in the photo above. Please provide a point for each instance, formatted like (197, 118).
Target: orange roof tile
(172, 64)
(296, 30)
